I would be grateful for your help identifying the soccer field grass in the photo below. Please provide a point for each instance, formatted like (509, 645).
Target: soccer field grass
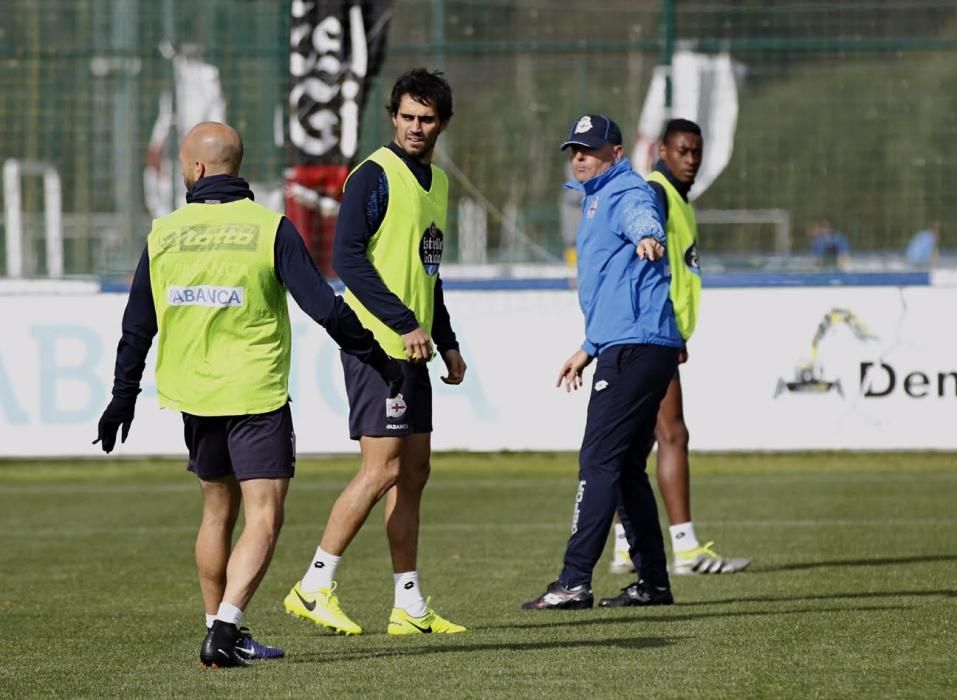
(852, 592)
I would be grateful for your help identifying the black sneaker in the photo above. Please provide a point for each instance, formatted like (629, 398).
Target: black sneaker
(219, 647)
(638, 593)
(557, 597)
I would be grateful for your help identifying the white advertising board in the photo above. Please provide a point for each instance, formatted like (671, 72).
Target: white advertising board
(883, 374)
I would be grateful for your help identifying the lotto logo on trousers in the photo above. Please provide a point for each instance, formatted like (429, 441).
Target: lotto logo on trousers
(578, 504)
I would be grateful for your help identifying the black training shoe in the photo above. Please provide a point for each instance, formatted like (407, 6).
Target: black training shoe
(253, 650)
(557, 597)
(219, 647)
(638, 593)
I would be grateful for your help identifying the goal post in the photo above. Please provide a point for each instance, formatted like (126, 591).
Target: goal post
(779, 218)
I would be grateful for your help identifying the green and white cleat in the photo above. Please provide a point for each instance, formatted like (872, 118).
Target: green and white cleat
(704, 560)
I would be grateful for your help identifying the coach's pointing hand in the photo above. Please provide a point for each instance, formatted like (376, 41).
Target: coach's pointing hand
(649, 249)
(118, 413)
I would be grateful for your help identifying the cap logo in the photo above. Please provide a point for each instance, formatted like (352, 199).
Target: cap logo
(584, 124)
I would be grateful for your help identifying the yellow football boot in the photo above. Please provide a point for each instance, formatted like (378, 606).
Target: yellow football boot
(401, 622)
(322, 607)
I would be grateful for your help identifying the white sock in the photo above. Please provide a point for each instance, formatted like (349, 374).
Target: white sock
(621, 542)
(209, 620)
(683, 538)
(321, 571)
(408, 595)
(229, 613)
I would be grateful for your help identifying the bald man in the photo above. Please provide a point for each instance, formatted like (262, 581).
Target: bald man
(212, 282)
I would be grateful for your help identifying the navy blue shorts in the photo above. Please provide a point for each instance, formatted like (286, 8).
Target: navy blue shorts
(371, 415)
(256, 446)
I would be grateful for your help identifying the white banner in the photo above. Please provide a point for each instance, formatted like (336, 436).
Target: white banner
(770, 369)
(884, 376)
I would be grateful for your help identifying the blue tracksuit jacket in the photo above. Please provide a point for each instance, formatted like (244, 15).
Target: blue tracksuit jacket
(625, 300)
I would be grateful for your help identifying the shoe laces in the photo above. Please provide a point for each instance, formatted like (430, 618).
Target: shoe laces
(331, 600)
(327, 593)
(707, 551)
(246, 636)
(260, 650)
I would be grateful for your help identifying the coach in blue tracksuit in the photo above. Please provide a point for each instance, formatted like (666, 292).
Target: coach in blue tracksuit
(630, 327)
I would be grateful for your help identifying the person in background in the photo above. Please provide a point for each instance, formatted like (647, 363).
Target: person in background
(829, 247)
(679, 159)
(923, 248)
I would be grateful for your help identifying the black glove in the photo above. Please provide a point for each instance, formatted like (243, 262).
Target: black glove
(394, 377)
(118, 413)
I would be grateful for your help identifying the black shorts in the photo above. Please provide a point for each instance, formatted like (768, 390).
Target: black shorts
(371, 415)
(256, 446)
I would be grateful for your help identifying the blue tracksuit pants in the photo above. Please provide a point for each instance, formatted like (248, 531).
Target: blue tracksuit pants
(629, 383)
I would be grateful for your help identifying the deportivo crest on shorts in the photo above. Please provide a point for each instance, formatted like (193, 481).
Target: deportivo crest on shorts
(584, 124)
(395, 407)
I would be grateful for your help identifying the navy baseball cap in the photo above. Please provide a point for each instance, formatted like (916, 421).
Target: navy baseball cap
(593, 131)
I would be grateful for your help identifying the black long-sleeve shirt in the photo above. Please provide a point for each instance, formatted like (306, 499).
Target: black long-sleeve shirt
(294, 268)
(360, 216)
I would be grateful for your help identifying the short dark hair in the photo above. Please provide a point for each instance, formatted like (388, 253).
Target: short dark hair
(428, 88)
(679, 126)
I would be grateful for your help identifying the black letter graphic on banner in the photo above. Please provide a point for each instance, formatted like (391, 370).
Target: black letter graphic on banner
(867, 386)
(335, 51)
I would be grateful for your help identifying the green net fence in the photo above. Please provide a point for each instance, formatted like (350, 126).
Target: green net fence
(846, 111)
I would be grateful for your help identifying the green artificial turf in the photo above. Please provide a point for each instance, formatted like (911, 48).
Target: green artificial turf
(853, 590)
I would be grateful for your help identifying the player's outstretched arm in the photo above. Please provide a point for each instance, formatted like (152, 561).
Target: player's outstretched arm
(296, 269)
(640, 221)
